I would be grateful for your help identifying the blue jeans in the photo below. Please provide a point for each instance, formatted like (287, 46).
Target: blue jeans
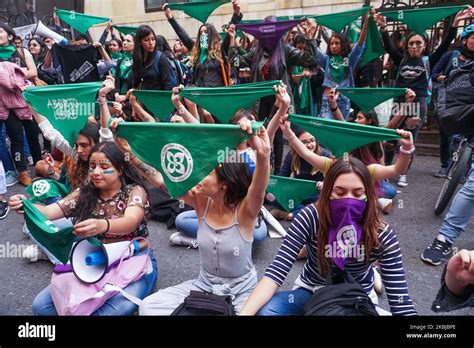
(388, 190)
(187, 222)
(4, 153)
(343, 103)
(117, 305)
(461, 210)
(286, 303)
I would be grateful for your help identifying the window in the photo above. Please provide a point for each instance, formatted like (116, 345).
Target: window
(156, 5)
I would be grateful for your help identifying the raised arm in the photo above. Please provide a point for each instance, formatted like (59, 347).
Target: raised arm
(387, 42)
(51, 212)
(138, 108)
(283, 102)
(182, 111)
(365, 27)
(179, 30)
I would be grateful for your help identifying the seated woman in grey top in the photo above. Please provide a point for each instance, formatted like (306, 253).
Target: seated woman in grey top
(227, 203)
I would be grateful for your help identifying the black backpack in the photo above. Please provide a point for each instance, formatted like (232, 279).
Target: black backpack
(163, 208)
(204, 303)
(342, 296)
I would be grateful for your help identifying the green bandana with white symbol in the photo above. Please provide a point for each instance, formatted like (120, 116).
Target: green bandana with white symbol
(41, 190)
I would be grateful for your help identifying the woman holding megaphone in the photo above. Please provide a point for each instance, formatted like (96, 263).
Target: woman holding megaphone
(112, 207)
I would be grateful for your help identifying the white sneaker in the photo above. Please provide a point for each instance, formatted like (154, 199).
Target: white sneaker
(402, 181)
(378, 286)
(33, 253)
(179, 238)
(385, 205)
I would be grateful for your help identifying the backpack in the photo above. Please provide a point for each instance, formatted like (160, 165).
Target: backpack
(163, 208)
(204, 303)
(342, 296)
(156, 66)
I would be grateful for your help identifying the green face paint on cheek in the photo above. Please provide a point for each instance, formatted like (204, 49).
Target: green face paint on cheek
(109, 171)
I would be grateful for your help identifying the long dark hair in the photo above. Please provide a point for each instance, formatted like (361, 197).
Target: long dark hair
(77, 172)
(214, 45)
(162, 45)
(9, 30)
(237, 177)
(138, 54)
(89, 194)
(345, 45)
(371, 219)
(277, 54)
(43, 51)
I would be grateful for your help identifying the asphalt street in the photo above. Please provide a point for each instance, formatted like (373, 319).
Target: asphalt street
(412, 217)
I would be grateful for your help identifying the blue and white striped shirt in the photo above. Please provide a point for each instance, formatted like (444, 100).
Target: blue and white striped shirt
(303, 231)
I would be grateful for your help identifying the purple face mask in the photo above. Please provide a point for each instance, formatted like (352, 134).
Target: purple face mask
(346, 230)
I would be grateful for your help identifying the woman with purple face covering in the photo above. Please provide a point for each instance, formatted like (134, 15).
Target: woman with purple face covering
(344, 230)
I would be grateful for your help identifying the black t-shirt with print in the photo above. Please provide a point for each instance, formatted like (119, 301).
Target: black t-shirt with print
(412, 74)
(78, 63)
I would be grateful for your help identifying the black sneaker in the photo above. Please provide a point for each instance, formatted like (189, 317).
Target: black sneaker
(4, 209)
(442, 173)
(437, 252)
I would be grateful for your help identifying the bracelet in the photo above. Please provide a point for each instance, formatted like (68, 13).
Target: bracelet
(51, 172)
(407, 152)
(333, 110)
(108, 225)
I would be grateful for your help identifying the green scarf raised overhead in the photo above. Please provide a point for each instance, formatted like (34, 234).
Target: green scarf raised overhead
(290, 192)
(57, 242)
(67, 107)
(337, 21)
(40, 190)
(80, 21)
(7, 51)
(183, 153)
(158, 102)
(342, 137)
(125, 29)
(421, 19)
(199, 9)
(368, 98)
(224, 102)
(303, 94)
(373, 44)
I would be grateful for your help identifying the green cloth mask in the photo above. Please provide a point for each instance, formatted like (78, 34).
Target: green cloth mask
(158, 102)
(421, 19)
(67, 107)
(125, 29)
(338, 68)
(183, 153)
(7, 51)
(290, 192)
(368, 98)
(373, 44)
(80, 21)
(43, 189)
(341, 137)
(199, 9)
(224, 102)
(57, 242)
(204, 48)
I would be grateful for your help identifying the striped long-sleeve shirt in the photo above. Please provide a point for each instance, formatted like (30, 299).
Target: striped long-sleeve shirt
(303, 230)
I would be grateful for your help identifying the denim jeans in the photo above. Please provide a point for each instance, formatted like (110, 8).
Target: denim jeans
(187, 222)
(461, 210)
(116, 305)
(4, 153)
(388, 190)
(343, 103)
(286, 303)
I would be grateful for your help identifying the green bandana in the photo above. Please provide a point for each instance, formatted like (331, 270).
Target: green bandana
(368, 98)
(224, 102)
(116, 56)
(353, 31)
(80, 21)
(290, 192)
(43, 189)
(125, 30)
(7, 51)
(303, 94)
(341, 137)
(337, 68)
(57, 242)
(67, 107)
(373, 44)
(183, 153)
(125, 70)
(203, 55)
(199, 9)
(337, 21)
(158, 102)
(421, 19)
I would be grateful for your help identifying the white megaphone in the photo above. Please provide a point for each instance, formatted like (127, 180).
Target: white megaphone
(43, 31)
(90, 259)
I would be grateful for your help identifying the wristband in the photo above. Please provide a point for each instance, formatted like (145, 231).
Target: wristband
(333, 110)
(407, 152)
(51, 172)
(108, 225)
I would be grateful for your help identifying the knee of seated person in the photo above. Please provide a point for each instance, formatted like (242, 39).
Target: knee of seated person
(272, 308)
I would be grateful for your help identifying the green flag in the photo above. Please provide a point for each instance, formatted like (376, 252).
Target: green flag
(67, 107)
(337, 21)
(421, 19)
(341, 137)
(183, 153)
(43, 189)
(7, 51)
(373, 44)
(57, 242)
(199, 9)
(290, 192)
(126, 29)
(158, 102)
(368, 98)
(80, 21)
(224, 102)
